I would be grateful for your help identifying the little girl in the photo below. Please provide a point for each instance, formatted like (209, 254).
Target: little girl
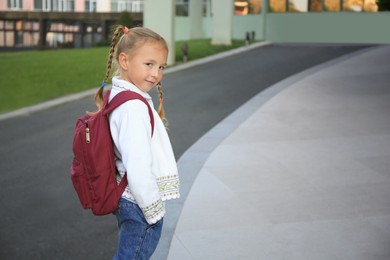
(140, 56)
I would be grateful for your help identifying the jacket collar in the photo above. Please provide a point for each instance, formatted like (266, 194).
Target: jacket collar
(120, 84)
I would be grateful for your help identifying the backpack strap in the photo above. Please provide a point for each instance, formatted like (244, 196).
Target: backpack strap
(121, 98)
(118, 100)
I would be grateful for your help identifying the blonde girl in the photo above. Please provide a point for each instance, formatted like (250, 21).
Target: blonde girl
(140, 57)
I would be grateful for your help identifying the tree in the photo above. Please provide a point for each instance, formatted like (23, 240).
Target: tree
(383, 5)
(125, 19)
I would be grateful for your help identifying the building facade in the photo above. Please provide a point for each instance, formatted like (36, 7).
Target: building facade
(61, 23)
(301, 21)
(104, 6)
(84, 23)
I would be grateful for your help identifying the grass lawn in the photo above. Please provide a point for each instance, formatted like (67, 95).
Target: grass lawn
(202, 48)
(30, 77)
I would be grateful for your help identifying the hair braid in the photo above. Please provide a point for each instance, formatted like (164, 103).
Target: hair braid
(161, 110)
(99, 94)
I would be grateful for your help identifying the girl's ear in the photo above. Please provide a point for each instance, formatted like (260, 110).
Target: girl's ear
(123, 61)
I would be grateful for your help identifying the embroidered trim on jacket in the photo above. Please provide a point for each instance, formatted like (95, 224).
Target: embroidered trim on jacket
(154, 212)
(169, 187)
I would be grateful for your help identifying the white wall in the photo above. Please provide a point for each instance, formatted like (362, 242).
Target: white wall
(162, 24)
(343, 27)
(222, 21)
(243, 24)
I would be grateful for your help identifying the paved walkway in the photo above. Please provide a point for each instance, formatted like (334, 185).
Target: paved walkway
(301, 171)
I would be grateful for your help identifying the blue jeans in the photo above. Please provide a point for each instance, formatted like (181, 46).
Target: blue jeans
(137, 238)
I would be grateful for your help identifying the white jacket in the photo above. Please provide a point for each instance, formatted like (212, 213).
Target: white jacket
(148, 160)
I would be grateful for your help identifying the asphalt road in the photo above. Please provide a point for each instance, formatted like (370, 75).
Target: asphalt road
(41, 217)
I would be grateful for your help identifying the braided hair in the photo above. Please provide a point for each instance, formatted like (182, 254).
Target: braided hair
(127, 41)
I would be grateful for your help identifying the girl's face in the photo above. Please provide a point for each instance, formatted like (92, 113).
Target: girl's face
(144, 68)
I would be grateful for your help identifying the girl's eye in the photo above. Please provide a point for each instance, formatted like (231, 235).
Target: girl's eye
(162, 67)
(149, 64)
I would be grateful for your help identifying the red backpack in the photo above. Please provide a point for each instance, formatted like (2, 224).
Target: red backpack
(93, 170)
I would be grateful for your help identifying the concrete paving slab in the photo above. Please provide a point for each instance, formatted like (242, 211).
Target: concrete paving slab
(305, 176)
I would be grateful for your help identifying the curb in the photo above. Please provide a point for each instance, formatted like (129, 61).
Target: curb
(47, 104)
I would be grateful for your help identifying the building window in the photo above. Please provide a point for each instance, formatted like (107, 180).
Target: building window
(20, 33)
(182, 8)
(47, 5)
(315, 6)
(90, 6)
(331, 5)
(65, 5)
(133, 6)
(55, 5)
(245, 7)
(9, 39)
(9, 25)
(122, 6)
(136, 6)
(281, 6)
(277, 6)
(353, 6)
(241, 7)
(206, 7)
(37, 4)
(298, 6)
(370, 6)
(15, 4)
(2, 39)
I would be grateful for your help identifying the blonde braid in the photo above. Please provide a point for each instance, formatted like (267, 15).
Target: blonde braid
(99, 94)
(161, 110)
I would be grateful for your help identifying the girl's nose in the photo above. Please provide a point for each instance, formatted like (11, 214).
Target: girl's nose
(155, 72)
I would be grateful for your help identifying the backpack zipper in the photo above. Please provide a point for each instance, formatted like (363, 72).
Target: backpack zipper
(87, 137)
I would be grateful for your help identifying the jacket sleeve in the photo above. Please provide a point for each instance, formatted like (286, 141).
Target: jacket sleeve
(133, 141)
